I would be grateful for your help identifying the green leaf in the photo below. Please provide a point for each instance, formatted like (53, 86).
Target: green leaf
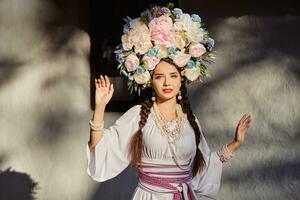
(119, 66)
(144, 19)
(203, 70)
(127, 53)
(170, 5)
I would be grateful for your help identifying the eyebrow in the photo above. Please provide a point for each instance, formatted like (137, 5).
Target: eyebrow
(164, 74)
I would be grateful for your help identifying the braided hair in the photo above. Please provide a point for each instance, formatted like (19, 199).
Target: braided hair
(136, 144)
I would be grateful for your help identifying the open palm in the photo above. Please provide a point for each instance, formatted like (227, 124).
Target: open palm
(104, 90)
(241, 129)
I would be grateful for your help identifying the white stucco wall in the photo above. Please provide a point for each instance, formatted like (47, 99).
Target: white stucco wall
(45, 108)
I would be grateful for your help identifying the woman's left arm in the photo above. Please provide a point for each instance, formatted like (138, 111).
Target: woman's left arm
(207, 183)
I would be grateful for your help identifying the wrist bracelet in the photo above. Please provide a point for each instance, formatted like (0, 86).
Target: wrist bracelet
(224, 154)
(98, 127)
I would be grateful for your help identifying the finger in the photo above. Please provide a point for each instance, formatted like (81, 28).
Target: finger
(242, 119)
(245, 118)
(102, 81)
(111, 89)
(248, 120)
(107, 81)
(99, 82)
(96, 83)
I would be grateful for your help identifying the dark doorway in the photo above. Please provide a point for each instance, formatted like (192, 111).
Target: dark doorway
(106, 29)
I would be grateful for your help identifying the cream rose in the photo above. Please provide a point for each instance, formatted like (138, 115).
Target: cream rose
(197, 49)
(150, 62)
(142, 78)
(191, 73)
(138, 37)
(193, 31)
(179, 40)
(126, 43)
(131, 62)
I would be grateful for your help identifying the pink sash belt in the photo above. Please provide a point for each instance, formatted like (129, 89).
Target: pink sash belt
(182, 178)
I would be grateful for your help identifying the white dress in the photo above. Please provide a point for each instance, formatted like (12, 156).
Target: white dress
(110, 157)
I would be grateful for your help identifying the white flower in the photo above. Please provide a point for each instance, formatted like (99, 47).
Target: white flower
(191, 73)
(126, 43)
(142, 78)
(179, 40)
(134, 23)
(193, 31)
(138, 37)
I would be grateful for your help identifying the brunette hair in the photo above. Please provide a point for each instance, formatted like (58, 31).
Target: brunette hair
(136, 144)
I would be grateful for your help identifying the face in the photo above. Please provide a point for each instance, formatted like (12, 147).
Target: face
(166, 81)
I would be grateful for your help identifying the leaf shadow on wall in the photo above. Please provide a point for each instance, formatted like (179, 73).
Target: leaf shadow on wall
(16, 186)
(275, 176)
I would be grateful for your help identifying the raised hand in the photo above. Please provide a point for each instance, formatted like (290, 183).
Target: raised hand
(104, 90)
(241, 129)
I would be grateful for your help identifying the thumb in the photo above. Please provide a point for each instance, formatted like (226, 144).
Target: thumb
(111, 90)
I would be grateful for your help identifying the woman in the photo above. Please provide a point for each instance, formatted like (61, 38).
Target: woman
(161, 136)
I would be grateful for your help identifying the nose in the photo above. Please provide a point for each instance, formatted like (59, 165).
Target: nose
(166, 82)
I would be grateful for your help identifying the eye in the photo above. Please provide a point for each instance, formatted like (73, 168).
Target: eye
(174, 76)
(157, 77)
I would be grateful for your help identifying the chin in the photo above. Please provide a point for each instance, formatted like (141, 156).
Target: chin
(165, 96)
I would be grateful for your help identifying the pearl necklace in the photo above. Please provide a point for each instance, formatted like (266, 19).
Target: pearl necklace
(171, 129)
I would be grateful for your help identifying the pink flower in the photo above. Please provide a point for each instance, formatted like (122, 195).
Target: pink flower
(131, 62)
(181, 59)
(197, 49)
(150, 62)
(162, 31)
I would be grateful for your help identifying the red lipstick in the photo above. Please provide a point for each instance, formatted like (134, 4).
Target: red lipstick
(167, 90)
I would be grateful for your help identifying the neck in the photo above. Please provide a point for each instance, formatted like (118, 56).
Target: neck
(167, 106)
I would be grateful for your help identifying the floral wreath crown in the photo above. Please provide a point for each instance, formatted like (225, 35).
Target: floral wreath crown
(164, 33)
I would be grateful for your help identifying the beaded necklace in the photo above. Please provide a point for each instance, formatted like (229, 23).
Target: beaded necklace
(171, 129)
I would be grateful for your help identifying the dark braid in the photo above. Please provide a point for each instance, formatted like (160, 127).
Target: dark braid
(199, 162)
(136, 145)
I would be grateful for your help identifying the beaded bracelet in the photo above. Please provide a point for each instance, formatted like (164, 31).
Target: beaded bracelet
(224, 154)
(96, 127)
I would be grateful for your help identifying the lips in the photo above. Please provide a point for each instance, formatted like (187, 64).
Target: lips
(168, 90)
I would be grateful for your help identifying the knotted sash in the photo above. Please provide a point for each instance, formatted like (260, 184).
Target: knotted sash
(166, 176)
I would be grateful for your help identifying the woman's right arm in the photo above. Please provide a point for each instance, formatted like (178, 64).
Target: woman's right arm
(107, 150)
(103, 93)
(95, 136)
